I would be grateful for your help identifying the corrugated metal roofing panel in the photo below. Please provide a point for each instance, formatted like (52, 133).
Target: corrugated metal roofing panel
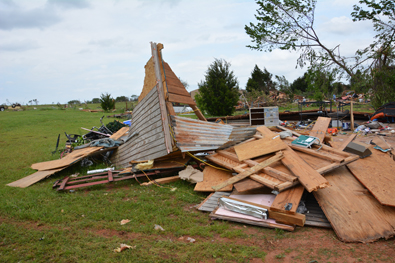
(196, 135)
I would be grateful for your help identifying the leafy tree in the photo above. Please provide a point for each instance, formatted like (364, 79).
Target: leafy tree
(107, 103)
(121, 99)
(218, 93)
(134, 98)
(320, 83)
(289, 25)
(95, 100)
(299, 85)
(284, 86)
(71, 102)
(260, 80)
(183, 82)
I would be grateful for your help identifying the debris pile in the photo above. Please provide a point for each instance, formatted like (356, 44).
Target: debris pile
(270, 177)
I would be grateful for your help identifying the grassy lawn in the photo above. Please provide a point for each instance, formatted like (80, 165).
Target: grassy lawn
(39, 224)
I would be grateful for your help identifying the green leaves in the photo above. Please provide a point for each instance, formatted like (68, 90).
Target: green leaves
(107, 102)
(218, 93)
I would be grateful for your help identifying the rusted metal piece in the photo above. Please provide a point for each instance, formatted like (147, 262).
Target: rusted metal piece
(110, 176)
(196, 135)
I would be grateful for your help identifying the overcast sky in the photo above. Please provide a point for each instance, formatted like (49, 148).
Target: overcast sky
(60, 50)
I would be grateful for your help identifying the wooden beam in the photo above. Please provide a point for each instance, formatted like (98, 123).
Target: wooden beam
(181, 99)
(162, 102)
(250, 171)
(164, 180)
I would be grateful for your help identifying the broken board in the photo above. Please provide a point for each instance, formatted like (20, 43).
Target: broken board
(354, 214)
(213, 176)
(377, 174)
(259, 147)
(319, 128)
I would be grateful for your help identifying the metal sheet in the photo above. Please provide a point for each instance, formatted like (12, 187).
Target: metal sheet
(196, 135)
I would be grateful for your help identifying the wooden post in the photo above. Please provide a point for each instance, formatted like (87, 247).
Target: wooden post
(352, 116)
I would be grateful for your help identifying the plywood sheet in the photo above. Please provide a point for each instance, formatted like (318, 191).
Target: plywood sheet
(149, 79)
(354, 215)
(211, 177)
(247, 185)
(33, 178)
(377, 173)
(320, 127)
(66, 161)
(259, 147)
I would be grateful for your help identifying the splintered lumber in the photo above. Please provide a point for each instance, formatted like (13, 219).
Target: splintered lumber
(320, 127)
(250, 171)
(288, 200)
(307, 176)
(289, 219)
(164, 180)
(213, 176)
(377, 174)
(259, 147)
(354, 215)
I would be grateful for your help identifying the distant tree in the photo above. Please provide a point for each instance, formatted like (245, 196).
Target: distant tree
(338, 88)
(122, 99)
(260, 80)
(299, 85)
(95, 100)
(284, 86)
(219, 92)
(107, 103)
(71, 102)
(320, 83)
(186, 85)
(134, 98)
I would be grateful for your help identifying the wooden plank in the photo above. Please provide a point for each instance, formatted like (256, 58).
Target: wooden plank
(213, 176)
(69, 159)
(164, 180)
(33, 178)
(289, 219)
(250, 171)
(354, 216)
(320, 128)
(162, 102)
(288, 201)
(320, 154)
(377, 174)
(258, 148)
(247, 185)
(307, 176)
(181, 99)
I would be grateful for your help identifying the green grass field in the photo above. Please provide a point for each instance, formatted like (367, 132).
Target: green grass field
(39, 224)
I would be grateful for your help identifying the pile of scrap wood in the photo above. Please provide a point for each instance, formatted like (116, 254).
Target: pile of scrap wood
(355, 194)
